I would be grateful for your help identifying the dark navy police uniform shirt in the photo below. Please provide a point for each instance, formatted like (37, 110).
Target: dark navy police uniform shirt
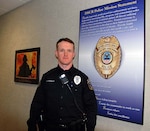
(57, 102)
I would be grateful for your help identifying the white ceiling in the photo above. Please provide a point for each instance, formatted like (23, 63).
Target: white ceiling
(8, 5)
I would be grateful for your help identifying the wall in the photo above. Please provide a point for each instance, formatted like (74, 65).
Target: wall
(40, 24)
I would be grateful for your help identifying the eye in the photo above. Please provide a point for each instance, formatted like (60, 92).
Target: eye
(69, 50)
(61, 50)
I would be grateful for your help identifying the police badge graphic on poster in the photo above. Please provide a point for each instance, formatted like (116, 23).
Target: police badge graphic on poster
(107, 56)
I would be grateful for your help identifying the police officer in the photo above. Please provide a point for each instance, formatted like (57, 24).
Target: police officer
(64, 96)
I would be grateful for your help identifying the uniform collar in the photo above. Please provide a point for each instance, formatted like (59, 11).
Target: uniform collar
(70, 71)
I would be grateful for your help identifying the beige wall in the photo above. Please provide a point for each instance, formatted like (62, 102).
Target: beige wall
(41, 23)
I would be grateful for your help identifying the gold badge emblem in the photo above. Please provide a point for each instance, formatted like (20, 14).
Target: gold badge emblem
(107, 56)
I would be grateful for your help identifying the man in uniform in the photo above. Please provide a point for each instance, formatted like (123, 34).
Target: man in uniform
(65, 96)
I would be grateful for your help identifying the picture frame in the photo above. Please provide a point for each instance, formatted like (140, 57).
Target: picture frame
(27, 65)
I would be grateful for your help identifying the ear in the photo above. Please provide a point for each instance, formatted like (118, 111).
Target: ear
(74, 55)
(56, 54)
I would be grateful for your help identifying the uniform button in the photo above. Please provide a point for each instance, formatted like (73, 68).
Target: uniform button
(61, 97)
(60, 119)
(61, 108)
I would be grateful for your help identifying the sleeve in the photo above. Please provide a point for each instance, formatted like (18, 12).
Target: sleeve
(90, 105)
(36, 108)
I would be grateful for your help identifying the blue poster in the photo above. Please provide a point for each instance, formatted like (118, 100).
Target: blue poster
(111, 53)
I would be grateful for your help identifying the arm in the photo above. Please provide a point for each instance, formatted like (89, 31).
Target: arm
(36, 108)
(90, 106)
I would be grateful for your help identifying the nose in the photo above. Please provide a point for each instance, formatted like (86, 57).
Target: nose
(65, 53)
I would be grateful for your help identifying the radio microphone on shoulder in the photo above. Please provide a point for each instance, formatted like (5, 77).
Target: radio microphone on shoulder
(64, 79)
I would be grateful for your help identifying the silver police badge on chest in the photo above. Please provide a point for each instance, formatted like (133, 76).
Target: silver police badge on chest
(77, 80)
(107, 56)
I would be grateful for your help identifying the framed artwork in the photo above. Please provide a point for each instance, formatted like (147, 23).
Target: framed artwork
(27, 65)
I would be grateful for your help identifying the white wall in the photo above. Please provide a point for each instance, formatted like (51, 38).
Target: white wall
(41, 23)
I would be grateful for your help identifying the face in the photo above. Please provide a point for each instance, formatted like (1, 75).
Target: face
(65, 53)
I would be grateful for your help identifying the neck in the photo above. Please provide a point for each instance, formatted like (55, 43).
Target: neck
(65, 67)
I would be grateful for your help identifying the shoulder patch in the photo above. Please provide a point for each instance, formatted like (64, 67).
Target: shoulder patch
(89, 84)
